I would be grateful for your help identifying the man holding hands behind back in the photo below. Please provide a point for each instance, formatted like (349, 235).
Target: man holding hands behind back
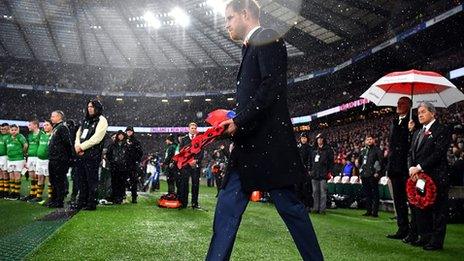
(265, 154)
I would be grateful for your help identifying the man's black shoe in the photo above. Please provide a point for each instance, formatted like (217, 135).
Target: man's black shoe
(55, 205)
(420, 242)
(409, 239)
(397, 235)
(91, 208)
(367, 214)
(27, 198)
(431, 247)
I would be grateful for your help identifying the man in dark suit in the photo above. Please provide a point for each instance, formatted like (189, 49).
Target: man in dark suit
(192, 170)
(428, 154)
(397, 166)
(265, 155)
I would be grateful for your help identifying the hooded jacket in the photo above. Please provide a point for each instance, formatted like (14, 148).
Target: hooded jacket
(92, 131)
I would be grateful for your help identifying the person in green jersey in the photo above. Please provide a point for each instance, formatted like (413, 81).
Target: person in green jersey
(33, 141)
(4, 178)
(16, 147)
(42, 160)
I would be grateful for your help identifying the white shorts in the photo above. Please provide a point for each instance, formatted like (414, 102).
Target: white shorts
(31, 163)
(42, 167)
(4, 163)
(15, 165)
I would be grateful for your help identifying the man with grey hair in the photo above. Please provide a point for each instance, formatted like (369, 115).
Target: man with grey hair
(428, 154)
(60, 151)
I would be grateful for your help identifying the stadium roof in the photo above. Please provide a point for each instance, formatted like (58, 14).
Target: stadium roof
(185, 33)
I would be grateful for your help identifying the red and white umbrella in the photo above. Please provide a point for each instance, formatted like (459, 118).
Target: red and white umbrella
(420, 86)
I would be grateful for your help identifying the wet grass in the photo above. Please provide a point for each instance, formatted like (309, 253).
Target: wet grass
(145, 232)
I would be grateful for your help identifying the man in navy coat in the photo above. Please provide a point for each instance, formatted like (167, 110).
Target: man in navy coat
(265, 154)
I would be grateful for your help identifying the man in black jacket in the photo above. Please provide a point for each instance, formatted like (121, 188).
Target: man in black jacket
(370, 171)
(397, 166)
(265, 156)
(60, 151)
(428, 154)
(89, 146)
(168, 166)
(321, 164)
(135, 155)
(192, 170)
(118, 157)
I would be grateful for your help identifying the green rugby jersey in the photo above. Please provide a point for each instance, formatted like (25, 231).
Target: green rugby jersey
(3, 139)
(33, 140)
(42, 150)
(14, 147)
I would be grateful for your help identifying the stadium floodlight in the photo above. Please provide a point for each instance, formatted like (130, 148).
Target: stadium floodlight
(118, 99)
(218, 6)
(151, 20)
(186, 100)
(164, 100)
(207, 99)
(230, 99)
(180, 16)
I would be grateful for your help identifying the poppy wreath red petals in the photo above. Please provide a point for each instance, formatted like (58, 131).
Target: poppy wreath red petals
(418, 200)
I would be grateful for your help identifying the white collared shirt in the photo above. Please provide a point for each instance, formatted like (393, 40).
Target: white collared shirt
(250, 33)
(427, 127)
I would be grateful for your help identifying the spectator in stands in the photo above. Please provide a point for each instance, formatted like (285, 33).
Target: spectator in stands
(348, 166)
(370, 170)
(321, 165)
(457, 169)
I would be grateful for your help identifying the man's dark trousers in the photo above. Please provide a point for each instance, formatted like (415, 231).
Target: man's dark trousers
(87, 171)
(58, 170)
(231, 204)
(186, 173)
(400, 200)
(370, 186)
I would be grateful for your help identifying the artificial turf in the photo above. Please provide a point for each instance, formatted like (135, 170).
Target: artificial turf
(145, 232)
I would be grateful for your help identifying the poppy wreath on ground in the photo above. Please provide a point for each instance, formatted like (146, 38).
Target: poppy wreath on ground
(421, 200)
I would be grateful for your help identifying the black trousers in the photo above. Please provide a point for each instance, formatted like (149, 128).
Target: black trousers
(58, 170)
(400, 199)
(87, 172)
(304, 191)
(75, 186)
(185, 175)
(118, 184)
(171, 176)
(431, 222)
(218, 178)
(371, 192)
(133, 183)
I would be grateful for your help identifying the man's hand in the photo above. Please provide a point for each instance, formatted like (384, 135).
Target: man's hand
(78, 150)
(411, 125)
(193, 163)
(413, 171)
(230, 127)
(376, 175)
